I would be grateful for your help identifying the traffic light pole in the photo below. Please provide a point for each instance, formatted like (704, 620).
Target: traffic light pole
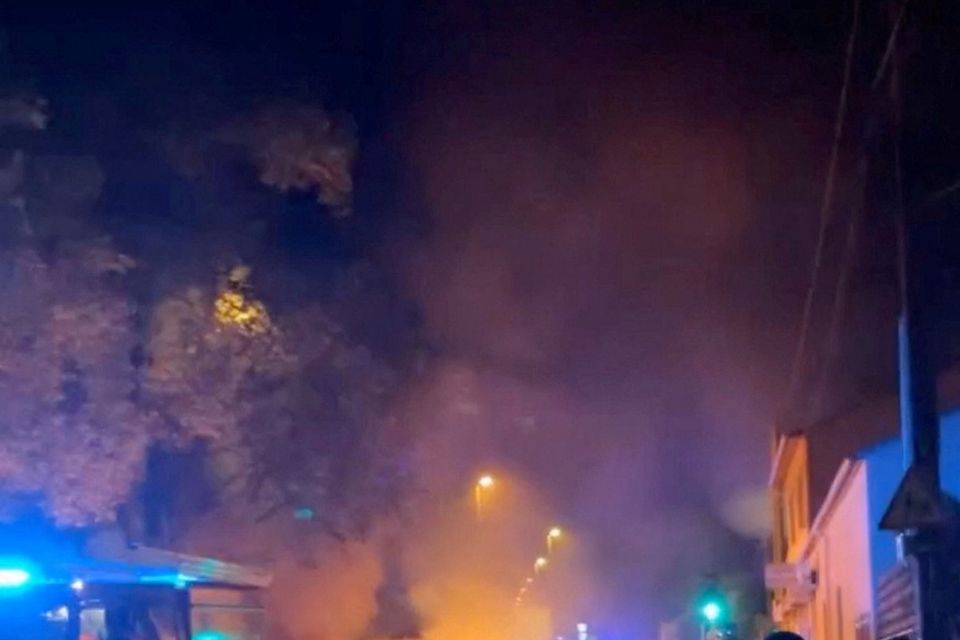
(920, 419)
(920, 427)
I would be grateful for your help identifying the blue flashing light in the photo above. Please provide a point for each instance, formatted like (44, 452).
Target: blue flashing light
(176, 580)
(183, 581)
(13, 577)
(209, 634)
(17, 572)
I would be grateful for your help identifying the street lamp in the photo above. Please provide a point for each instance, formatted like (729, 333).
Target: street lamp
(484, 484)
(540, 564)
(553, 535)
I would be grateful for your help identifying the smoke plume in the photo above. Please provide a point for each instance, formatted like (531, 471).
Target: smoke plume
(599, 278)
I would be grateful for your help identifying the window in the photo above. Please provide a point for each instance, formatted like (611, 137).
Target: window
(217, 613)
(93, 624)
(234, 623)
(125, 612)
(796, 528)
(42, 614)
(782, 530)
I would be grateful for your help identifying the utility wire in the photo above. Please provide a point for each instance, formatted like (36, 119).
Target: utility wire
(855, 223)
(841, 293)
(826, 208)
(891, 45)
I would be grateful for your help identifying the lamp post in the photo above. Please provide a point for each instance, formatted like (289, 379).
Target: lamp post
(540, 564)
(484, 484)
(552, 536)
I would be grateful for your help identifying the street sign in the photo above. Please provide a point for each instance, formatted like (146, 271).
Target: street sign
(916, 504)
(781, 576)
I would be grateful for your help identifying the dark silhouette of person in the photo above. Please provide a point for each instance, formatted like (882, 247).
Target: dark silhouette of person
(784, 635)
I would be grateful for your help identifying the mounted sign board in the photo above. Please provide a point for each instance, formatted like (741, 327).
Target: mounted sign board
(791, 576)
(917, 504)
(780, 576)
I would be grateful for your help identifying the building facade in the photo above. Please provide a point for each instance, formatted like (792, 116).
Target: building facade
(786, 575)
(828, 563)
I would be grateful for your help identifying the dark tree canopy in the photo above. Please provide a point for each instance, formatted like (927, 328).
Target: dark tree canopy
(109, 359)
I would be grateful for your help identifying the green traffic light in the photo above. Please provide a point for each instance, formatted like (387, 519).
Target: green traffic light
(211, 635)
(711, 611)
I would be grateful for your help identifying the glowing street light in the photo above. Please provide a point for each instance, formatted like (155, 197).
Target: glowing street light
(552, 536)
(485, 483)
(540, 564)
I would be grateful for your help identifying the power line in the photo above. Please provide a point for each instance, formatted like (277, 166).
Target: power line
(838, 309)
(826, 207)
(891, 45)
(855, 223)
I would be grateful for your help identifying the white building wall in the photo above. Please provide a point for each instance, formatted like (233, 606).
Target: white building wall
(840, 554)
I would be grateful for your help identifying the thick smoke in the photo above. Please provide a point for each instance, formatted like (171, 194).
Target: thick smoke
(619, 218)
(322, 589)
(465, 562)
(602, 276)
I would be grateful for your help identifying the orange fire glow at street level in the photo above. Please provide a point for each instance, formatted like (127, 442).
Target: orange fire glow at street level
(464, 569)
(472, 610)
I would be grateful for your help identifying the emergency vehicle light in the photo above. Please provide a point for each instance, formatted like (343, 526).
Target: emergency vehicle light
(13, 577)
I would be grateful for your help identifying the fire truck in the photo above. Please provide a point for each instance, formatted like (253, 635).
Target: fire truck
(100, 587)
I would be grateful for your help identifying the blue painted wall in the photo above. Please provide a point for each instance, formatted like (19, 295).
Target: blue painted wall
(884, 469)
